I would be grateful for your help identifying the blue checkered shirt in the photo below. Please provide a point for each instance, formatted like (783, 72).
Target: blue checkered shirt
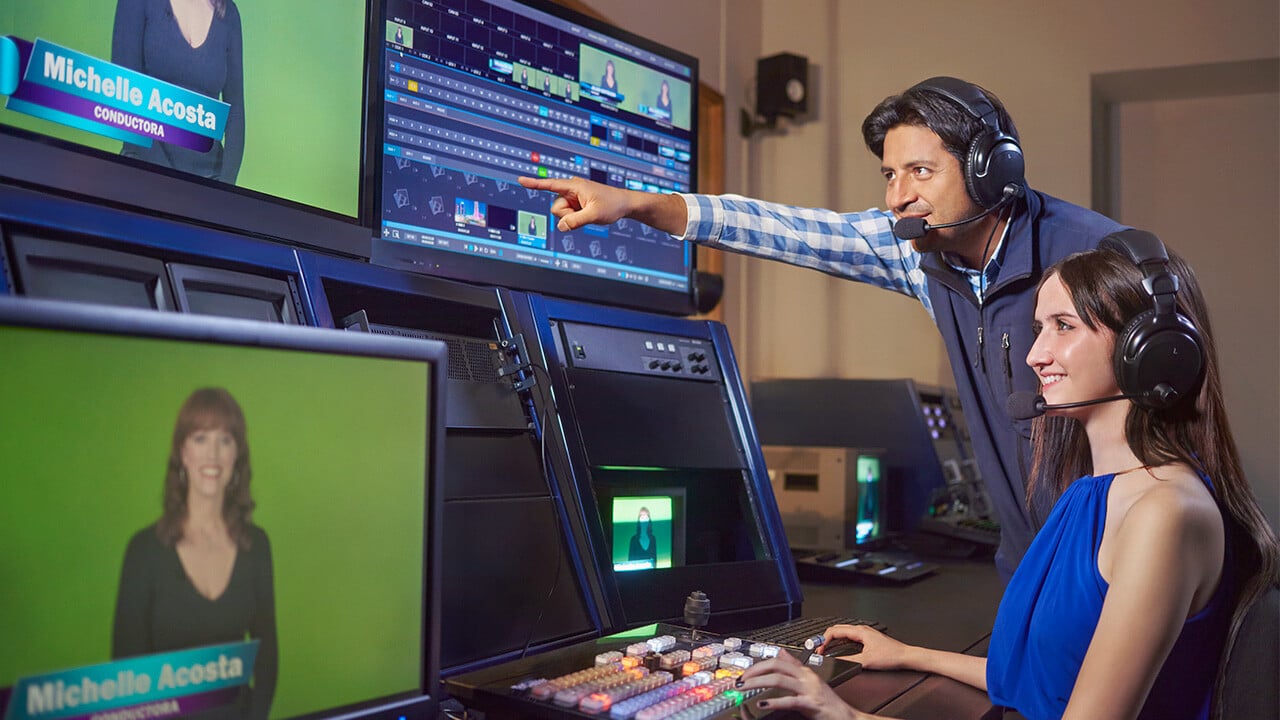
(858, 246)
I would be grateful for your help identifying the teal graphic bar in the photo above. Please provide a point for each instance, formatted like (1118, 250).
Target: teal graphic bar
(73, 72)
(132, 681)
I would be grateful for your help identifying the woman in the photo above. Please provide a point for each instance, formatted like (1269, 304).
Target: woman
(664, 98)
(609, 80)
(197, 45)
(202, 573)
(643, 545)
(1129, 599)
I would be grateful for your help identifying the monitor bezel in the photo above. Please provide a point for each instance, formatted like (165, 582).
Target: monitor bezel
(185, 278)
(61, 315)
(34, 254)
(68, 169)
(492, 273)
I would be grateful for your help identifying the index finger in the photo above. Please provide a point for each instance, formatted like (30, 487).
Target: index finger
(555, 185)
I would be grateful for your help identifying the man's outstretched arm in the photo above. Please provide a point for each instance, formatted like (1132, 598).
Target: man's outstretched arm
(582, 202)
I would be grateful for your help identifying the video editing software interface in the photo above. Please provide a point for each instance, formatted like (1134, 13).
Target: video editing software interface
(479, 92)
(124, 599)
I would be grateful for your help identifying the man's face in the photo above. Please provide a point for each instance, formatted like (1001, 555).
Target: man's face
(925, 181)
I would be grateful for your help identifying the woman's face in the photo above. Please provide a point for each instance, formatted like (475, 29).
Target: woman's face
(644, 516)
(1073, 361)
(209, 457)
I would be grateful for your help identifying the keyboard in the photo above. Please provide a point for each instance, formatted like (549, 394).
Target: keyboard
(793, 633)
(887, 567)
(978, 530)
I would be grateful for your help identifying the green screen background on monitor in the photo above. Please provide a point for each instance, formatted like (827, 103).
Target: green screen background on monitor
(88, 425)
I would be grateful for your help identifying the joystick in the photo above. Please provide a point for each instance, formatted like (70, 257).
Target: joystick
(697, 610)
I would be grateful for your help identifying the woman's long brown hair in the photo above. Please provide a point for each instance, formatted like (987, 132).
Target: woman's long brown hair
(206, 409)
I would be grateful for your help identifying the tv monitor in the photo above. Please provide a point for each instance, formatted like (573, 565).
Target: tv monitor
(472, 94)
(647, 530)
(246, 116)
(222, 516)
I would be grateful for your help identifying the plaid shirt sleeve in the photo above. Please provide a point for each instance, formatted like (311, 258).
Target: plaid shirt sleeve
(857, 246)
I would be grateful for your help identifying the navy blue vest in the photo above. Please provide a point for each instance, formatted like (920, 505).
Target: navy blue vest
(988, 348)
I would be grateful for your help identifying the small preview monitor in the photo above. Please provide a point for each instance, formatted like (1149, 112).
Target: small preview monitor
(472, 94)
(214, 521)
(869, 517)
(646, 532)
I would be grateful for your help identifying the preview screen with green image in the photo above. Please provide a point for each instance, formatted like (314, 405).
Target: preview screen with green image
(644, 532)
(265, 96)
(870, 489)
(193, 526)
(612, 79)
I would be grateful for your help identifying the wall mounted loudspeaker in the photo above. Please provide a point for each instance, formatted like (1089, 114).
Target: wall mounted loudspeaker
(782, 90)
(782, 86)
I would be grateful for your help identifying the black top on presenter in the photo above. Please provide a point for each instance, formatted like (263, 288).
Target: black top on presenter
(475, 93)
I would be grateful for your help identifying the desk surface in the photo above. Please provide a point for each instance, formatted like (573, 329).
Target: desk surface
(953, 609)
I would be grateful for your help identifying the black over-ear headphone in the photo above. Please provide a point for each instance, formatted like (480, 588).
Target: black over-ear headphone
(1159, 356)
(994, 162)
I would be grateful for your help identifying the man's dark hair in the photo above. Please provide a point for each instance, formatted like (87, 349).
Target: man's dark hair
(927, 108)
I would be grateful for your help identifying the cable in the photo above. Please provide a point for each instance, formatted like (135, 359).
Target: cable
(555, 505)
(982, 271)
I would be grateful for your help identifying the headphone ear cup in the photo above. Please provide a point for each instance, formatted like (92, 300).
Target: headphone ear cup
(1159, 361)
(995, 162)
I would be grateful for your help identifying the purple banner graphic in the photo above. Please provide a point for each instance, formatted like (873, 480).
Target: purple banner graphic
(172, 707)
(113, 117)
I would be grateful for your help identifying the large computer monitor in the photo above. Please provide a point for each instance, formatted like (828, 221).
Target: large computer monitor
(247, 116)
(475, 93)
(209, 515)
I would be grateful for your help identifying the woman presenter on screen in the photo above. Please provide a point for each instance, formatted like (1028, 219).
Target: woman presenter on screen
(197, 45)
(610, 79)
(201, 574)
(644, 546)
(1127, 601)
(664, 98)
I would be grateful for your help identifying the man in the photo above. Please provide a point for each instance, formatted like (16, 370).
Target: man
(949, 154)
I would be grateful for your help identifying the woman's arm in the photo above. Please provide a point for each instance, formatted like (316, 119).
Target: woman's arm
(809, 696)
(267, 666)
(130, 633)
(881, 652)
(1159, 561)
(233, 95)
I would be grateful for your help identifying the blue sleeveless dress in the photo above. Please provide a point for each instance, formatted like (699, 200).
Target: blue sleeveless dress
(1050, 610)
